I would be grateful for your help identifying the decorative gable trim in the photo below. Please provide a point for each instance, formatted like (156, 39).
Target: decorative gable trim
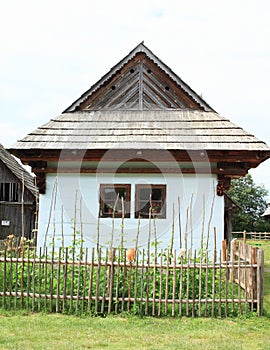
(139, 81)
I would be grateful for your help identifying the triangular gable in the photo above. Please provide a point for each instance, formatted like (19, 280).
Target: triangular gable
(141, 81)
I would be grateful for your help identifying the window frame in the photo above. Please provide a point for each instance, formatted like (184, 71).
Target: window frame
(9, 192)
(138, 204)
(102, 202)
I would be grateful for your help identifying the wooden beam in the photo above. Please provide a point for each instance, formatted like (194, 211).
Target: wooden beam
(27, 156)
(130, 170)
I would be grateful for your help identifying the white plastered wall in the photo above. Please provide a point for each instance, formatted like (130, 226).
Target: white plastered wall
(73, 199)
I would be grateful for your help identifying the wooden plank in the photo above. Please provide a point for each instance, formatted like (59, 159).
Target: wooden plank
(260, 281)
(174, 283)
(206, 282)
(51, 264)
(181, 287)
(200, 285)
(85, 273)
(10, 274)
(224, 250)
(72, 280)
(136, 273)
(58, 280)
(33, 285)
(220, 283)
(104, 284)
(187, 285)
(167, 282)
(98, 280)
(111, 279)
(154, 283)
(227, 277)
(4, 279)
(90, 285)
(124, 280)
(193, 284)
(213, 284)
(239, 286)
(142, 283)
(17, 280)
(65, 277)
(79, 268)
(160, 283)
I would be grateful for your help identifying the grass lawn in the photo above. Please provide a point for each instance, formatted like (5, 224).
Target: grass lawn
(53, 331)
(39, 331)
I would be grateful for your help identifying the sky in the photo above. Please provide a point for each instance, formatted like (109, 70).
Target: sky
(54, 50)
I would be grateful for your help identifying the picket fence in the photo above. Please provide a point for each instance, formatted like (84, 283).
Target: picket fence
(113, 281)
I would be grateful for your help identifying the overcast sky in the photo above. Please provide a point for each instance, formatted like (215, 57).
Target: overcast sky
(54, 50)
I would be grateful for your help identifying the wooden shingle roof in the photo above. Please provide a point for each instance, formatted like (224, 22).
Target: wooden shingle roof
(18, 170)
(140, 104)
(152, 129)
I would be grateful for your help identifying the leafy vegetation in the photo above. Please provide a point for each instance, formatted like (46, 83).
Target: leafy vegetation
(35, 331)
(151, 285)
(251, 199)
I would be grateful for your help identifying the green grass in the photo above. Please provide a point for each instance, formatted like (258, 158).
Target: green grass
(53, 331)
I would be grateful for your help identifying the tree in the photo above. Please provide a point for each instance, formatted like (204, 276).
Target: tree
(251, 199)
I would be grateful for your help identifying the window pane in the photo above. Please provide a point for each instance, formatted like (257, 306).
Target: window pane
(156, 194)
(114, 200)
(9, 191)
(145, 193)
(150, 200)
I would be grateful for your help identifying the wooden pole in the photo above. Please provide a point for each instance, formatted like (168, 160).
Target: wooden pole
(22, 207)
(260, 281)
(179, 223)
(224, 250)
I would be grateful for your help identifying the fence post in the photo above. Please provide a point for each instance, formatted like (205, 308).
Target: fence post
(260, 281)
(224, 250)
(233, 255)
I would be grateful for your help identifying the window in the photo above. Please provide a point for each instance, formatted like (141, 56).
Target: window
(113, 200)
(150, 197)
(9, 192)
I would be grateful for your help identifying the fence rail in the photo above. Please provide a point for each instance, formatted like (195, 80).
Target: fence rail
(252, 235)
(157, 283)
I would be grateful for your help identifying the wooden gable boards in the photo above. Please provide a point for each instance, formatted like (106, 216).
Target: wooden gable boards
(141, 81)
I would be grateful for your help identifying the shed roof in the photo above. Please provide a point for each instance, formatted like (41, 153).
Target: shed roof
(18, 170)
(152, 129)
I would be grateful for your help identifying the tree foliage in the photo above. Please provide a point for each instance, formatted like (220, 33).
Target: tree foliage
(251, 199)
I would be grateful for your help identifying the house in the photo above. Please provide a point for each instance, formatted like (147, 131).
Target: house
(140, 143)
(17, 198)
(266, 214)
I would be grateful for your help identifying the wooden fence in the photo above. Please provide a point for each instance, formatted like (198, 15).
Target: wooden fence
(251, 279)
(252, 235)
(157, 283)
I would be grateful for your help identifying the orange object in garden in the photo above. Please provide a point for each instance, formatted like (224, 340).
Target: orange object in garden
(131, 254)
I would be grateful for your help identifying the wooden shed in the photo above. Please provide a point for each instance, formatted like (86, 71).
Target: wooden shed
(17, 198)
(143, 138)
